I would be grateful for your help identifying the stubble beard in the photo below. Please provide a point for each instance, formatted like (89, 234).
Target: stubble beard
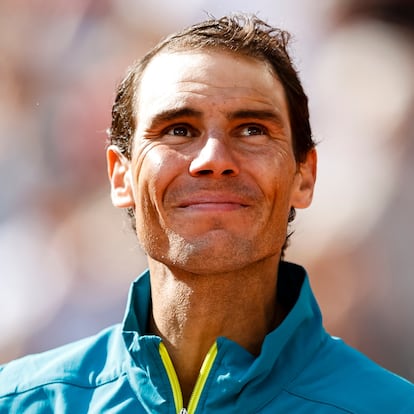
(203, 256)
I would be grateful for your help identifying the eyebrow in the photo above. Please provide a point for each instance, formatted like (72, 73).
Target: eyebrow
(256, 114)
(173, 114)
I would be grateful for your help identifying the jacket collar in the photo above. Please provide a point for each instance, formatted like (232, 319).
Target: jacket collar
(285, 351)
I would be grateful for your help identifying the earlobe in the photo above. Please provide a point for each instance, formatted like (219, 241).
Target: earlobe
(120, 178)
(306, 177)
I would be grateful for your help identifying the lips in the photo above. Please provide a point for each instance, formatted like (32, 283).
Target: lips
(220, 196)
(212, 200)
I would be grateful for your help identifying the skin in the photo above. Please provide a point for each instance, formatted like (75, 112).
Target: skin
(212, 177)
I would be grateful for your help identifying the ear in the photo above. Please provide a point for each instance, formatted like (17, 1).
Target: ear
(305, 181)
(119, 173)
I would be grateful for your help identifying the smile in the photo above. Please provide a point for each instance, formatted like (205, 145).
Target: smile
(213, 206)
(213, 202)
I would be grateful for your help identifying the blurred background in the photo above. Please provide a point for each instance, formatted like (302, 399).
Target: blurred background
(67, 256)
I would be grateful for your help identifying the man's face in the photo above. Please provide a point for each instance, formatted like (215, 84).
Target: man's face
(212, 175)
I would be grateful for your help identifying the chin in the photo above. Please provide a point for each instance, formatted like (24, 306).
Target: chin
(215, 252)
(207, 259)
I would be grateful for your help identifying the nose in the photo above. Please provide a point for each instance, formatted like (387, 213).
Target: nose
(214, 159)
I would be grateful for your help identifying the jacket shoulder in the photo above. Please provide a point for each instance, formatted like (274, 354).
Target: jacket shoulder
(86, 363)
(342, 377)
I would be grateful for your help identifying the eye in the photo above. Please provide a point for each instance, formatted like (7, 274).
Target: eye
(180, 131)
(250, 130)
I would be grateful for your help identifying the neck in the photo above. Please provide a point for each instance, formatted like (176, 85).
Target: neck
(190, 311)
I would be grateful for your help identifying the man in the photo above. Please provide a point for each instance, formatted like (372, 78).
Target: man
(211, 153)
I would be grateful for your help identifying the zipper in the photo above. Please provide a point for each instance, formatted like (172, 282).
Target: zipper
(199, 385)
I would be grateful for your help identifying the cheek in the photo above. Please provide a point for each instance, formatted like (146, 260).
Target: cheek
(144, 153)
(276, 175)
(155, 168)
(153, 175)
(147, 162)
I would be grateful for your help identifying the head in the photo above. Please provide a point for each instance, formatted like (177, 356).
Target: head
(242, 35)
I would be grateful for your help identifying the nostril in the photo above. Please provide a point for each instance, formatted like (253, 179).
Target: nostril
(204, 172)
(211, 172)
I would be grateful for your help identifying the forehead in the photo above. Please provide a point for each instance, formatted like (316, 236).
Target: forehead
(210, 75)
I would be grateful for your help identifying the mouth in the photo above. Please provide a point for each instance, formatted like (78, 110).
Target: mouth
(213, 202)
(213, 206)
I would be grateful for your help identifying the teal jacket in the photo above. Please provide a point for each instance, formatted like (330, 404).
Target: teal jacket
(301, 369)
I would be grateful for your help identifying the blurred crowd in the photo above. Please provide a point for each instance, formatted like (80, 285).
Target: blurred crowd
(67, 256)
